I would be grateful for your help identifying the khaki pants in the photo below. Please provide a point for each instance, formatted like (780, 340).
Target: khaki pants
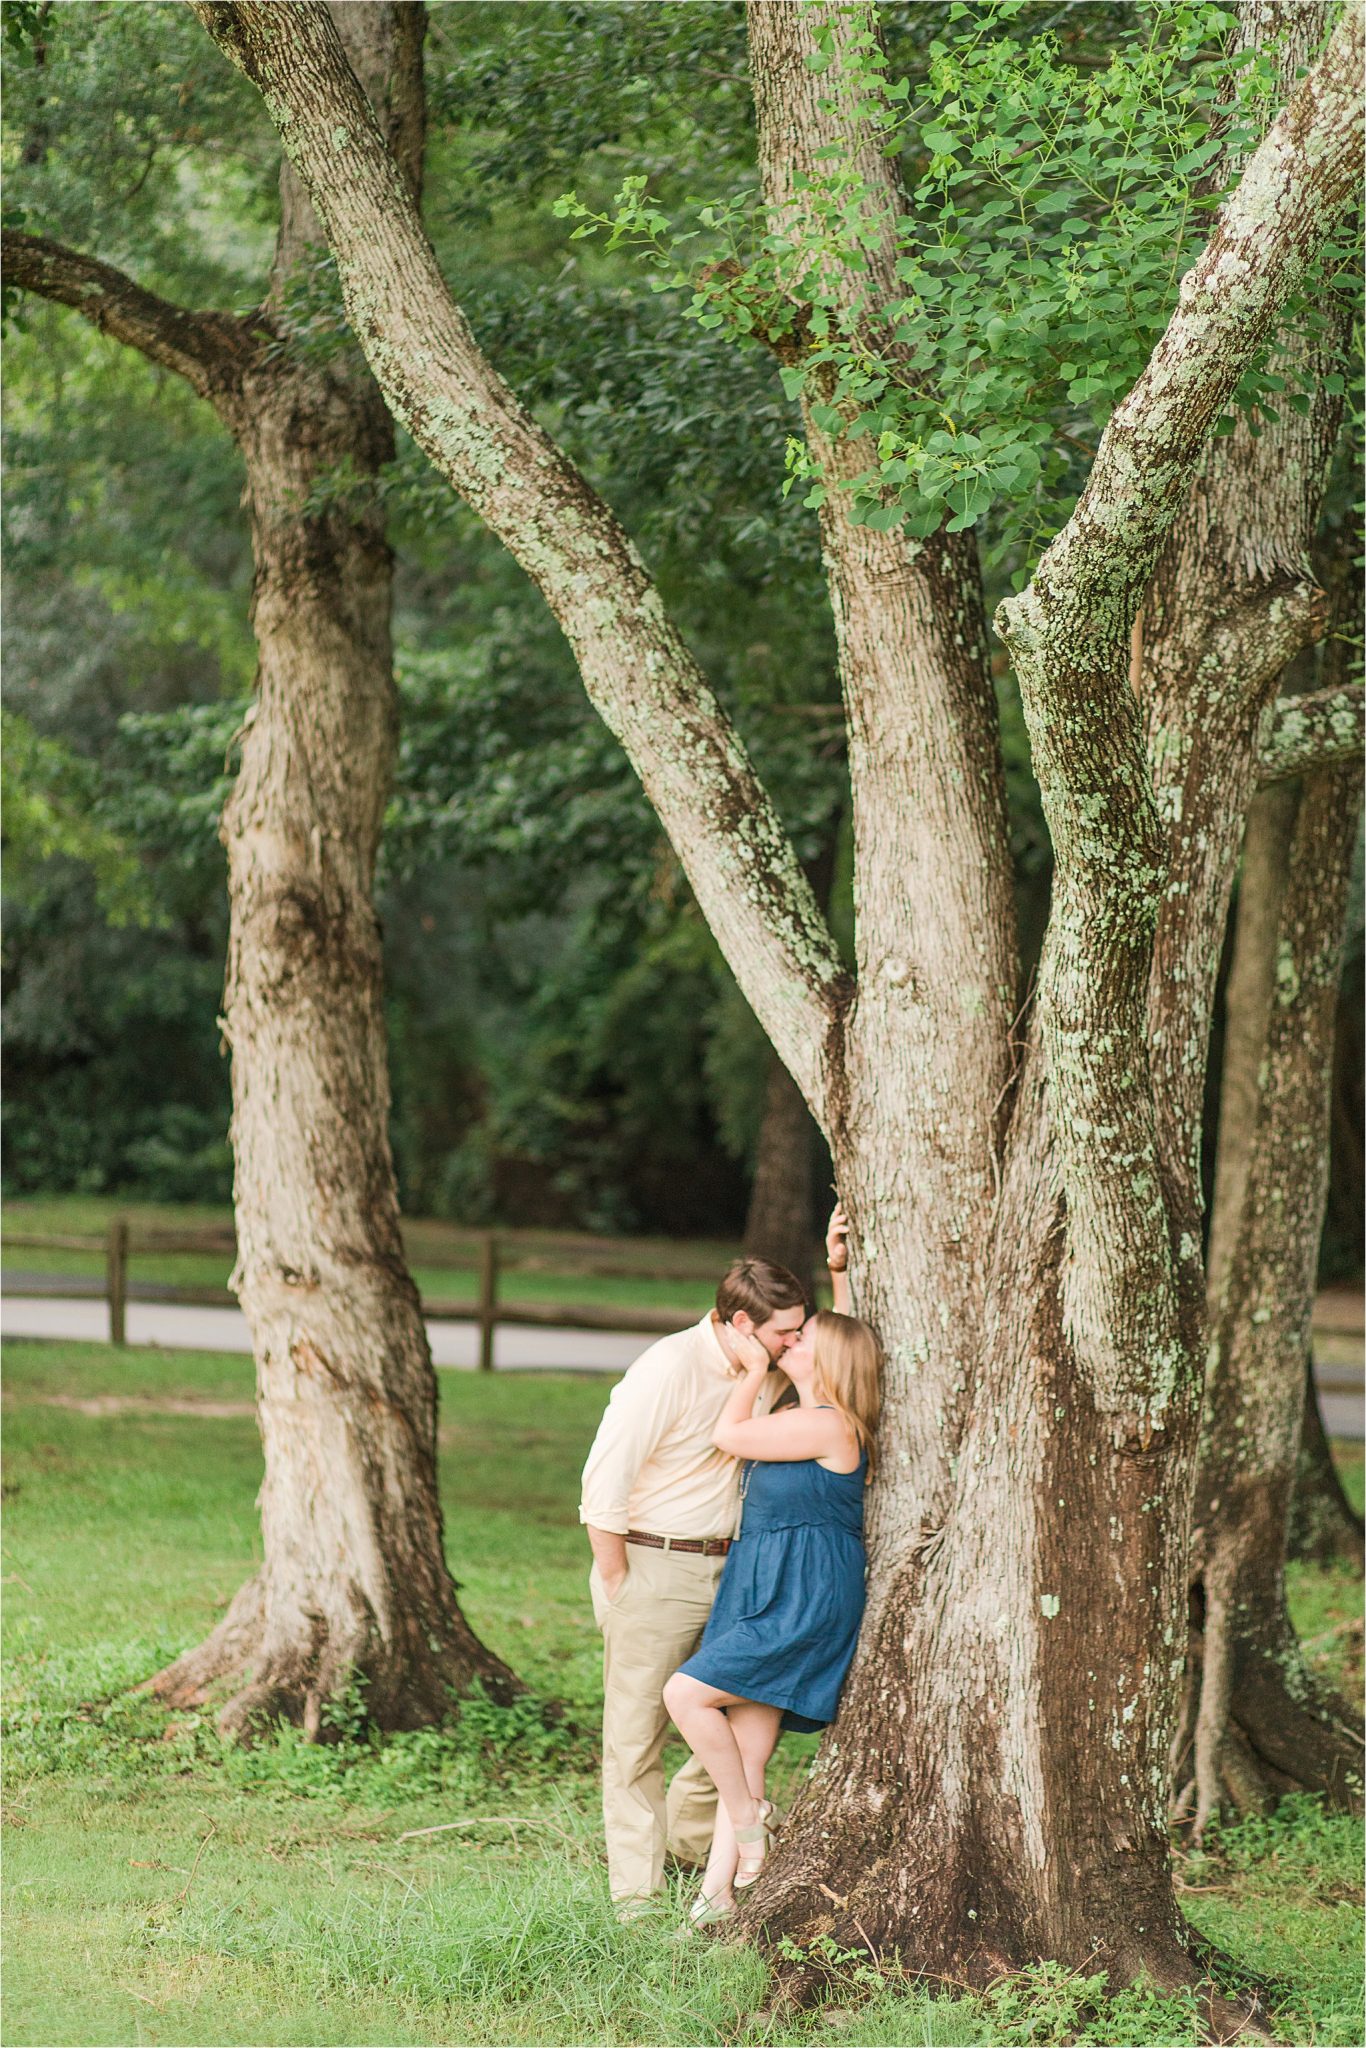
(652, 1626)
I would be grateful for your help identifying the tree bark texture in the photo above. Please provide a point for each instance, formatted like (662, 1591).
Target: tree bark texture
(1254, 1721)
(1255, 1724)
(779, 1224)
(1311, 732)
(1233, 601)
(353, 1583)
(995, 1787)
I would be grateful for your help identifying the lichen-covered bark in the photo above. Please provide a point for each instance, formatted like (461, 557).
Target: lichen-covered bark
(353, 1581)
(1233, 602)
(994, 1787)
(1109, 1100)
(1255, 1723)
(631, 655)
(1120, 811)
(1312, 732)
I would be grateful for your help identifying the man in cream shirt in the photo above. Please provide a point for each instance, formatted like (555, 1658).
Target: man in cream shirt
(660, 1503)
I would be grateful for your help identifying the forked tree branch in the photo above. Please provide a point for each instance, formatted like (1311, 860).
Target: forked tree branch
(635, 666)
(209, 350)
(1312, 732)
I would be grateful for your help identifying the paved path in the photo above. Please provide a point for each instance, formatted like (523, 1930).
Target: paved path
(179, 1328)
(455, 1345)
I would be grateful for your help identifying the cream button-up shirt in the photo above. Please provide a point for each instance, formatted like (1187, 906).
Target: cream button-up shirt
(653, 1465)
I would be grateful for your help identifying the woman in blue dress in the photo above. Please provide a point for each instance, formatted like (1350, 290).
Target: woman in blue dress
(782, 1631)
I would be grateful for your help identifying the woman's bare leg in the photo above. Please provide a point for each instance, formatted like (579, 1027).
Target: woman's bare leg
(697, 1711)
(722, 1862)
(756, 1729)
(752, 1731)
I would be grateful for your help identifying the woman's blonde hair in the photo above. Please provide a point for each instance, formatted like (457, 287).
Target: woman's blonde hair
(849, 1374)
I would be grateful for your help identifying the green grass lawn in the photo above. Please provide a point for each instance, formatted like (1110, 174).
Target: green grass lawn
(440, 1256)
(164, 1889)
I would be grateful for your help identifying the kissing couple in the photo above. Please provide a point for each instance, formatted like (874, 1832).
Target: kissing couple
(762, 1414)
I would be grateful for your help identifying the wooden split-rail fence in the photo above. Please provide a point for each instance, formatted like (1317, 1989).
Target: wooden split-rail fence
(491, 1253)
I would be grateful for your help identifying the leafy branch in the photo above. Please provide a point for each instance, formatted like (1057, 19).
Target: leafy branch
(1053, 210)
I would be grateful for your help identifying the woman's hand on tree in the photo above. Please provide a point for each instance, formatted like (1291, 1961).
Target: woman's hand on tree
(837, 1240)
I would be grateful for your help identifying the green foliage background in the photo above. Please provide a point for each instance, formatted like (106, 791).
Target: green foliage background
(567, 1045)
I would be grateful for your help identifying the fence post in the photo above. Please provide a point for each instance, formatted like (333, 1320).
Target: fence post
(488, 1298)
(116, 1279)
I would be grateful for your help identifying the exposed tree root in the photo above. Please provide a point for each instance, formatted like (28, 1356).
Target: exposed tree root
(227, 1651)
(278, 1674)
(1254, 1723)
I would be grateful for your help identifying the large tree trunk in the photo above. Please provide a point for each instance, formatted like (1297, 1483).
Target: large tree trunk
(779, 1223)
(994, 1789)
(354, 1585)
(1254, 1723)
(1233, 601)
(915, 1125)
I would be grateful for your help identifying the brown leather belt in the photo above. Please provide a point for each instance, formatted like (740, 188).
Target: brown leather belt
(705, 1546)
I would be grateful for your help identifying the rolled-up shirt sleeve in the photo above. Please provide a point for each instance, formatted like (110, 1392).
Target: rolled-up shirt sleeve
(642, 1407)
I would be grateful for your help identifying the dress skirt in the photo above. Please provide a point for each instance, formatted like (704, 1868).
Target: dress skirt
(786, 1617)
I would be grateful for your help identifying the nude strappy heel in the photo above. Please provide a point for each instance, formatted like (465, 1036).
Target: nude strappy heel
(762, 1833)
(705, 1912)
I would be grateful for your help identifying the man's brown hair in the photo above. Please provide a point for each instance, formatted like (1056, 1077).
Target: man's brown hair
(759, 1288)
